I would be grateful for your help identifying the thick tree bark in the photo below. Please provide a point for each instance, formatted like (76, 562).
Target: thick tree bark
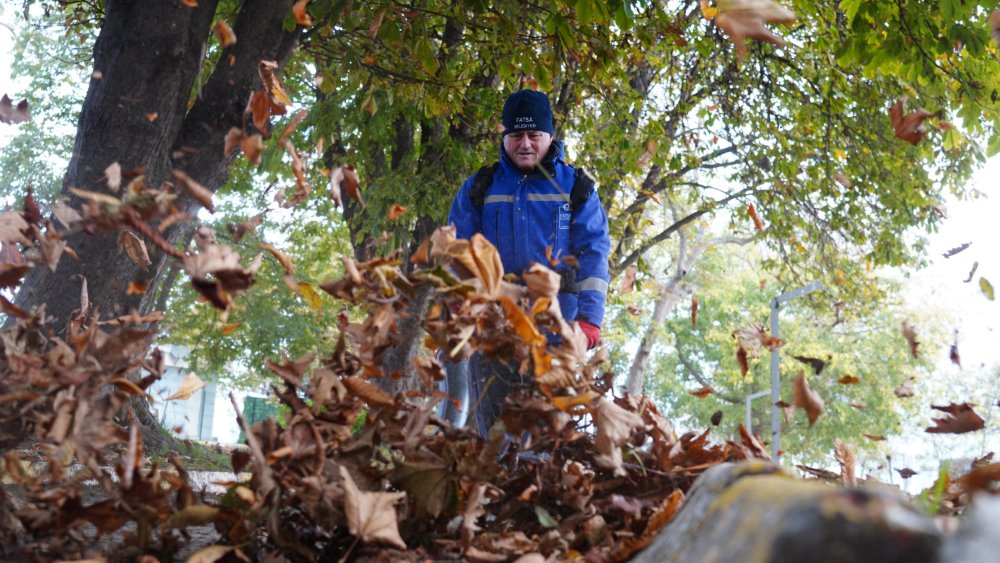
(146, 59)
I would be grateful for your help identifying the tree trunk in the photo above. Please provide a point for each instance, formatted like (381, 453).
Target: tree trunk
(146, 59)
(665, 300)
(756, 513)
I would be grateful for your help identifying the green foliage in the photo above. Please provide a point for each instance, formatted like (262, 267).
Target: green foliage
(50, 72)
(272, 319)
(732, 294)
(931, 498)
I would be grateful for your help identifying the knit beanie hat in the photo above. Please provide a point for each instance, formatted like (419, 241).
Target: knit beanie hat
(527, 110)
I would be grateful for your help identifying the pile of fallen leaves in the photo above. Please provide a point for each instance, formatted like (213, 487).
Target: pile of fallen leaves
(572, 470)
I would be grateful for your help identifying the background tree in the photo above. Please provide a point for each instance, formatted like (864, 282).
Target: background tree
(862, 360)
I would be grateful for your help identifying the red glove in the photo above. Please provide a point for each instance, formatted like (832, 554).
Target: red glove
(593, 333)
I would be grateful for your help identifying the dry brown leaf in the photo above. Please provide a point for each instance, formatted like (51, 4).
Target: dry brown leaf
(807, 399)
(614, 426)
(905, 389)
(137, 287)
(702, 392)
(953, 352)
(134, 248)
(910, 334)
(910, 127)
(12, 228)
(628, 279)
(200, 193)
(233, 139)
(344, 180)
(282, 258)
(542, 282)
(224, 33)
(953, 251)
(65, 214)
(302, 187)
(757, 223)
(252, 147)
(874, 437)
(746, 18)
(271, 83)
(301, 16)
(371, 516)
(396, 211)
(845, 457)
(242, 229)
(959, 420)
(489, 268)
(292, 124)
(113, 173)
(190, 385)
(291, 370)
(995, 25)
(523, 325)
(367, 392)
(11, 114)
(742, 360)
(694, 314)
(848, 380)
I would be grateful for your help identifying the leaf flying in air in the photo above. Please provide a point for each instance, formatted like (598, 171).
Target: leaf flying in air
(807, 399)
(956, 250)
(986, 287)
(13, 114)
(910, 334)
(746, 18)
(959, 420)
(909, 127)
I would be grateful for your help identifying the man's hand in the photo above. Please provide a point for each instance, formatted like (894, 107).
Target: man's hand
(593, 333)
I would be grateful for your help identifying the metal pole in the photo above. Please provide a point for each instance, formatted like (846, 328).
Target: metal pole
(775, 382)
(775, 385)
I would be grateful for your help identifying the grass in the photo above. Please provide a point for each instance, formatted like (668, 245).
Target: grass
(196, 456)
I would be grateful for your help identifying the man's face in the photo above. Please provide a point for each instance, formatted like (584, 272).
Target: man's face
(527, 148)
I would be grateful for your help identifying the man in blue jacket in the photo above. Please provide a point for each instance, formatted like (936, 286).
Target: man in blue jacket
(531, 201)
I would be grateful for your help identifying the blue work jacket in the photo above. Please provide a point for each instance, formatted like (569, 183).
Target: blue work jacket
(522, 215)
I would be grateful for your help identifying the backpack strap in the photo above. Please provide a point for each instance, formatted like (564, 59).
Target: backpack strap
(583, 185)
(481, 184)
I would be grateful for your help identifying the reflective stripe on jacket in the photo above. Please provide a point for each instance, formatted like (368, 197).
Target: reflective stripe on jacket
(522, 215)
